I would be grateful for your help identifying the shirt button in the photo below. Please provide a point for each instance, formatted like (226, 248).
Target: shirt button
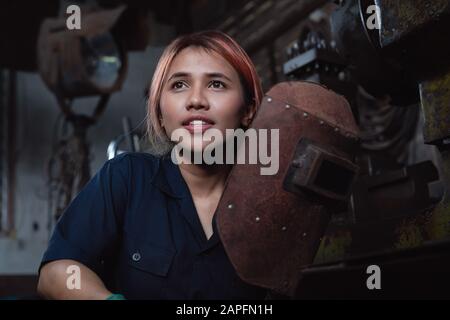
(136, 256)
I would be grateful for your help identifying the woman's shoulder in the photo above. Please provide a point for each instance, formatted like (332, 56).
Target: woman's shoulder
(135, 157)
(135, 163)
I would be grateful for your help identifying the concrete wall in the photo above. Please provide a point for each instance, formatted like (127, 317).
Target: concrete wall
(37, 113)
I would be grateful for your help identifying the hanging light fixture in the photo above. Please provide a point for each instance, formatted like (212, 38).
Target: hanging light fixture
(83, 62)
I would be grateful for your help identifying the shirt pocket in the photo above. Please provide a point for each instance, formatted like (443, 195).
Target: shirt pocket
(150, 258)
(148, 269)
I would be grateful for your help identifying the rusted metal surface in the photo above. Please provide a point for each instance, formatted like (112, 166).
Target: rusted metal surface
(342, 242)
(439, 225)
(416, 273)
(334, 245)
(435, 100)
(400, 19)
(396, 219)
(389, 211)
(360, 48)
(268, 237)
(414, 35)
(394, 193)
(319, 102)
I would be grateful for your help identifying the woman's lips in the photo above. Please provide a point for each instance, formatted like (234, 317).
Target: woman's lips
(197, 126)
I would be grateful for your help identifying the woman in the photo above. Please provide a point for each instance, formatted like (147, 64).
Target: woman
(143, 227)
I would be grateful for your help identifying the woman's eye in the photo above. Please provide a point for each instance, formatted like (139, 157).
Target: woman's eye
(217, 84)
(178, 85)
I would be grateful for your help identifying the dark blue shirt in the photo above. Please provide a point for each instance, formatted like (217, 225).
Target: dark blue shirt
(135, 224)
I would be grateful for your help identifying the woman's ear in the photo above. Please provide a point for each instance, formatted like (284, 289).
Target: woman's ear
(249, 114)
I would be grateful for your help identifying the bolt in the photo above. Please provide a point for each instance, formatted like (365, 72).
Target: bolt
(297, 163)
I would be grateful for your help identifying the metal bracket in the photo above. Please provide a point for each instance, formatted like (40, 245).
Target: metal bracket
(317, 169)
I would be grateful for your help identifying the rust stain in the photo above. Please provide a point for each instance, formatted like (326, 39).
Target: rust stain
(333, 247)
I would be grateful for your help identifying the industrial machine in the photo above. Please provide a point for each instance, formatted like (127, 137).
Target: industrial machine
(392, 240)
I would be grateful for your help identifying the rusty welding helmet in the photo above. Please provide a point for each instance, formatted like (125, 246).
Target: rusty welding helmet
(271, 225)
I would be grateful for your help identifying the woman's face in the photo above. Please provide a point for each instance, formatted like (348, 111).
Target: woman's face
(202, 91)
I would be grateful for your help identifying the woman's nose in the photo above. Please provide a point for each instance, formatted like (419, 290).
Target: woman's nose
(197, 100)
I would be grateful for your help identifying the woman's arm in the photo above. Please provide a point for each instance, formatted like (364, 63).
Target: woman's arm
(53, 282)
(88, 231)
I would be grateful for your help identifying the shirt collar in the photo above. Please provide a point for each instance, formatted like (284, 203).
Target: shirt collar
(168, 178)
